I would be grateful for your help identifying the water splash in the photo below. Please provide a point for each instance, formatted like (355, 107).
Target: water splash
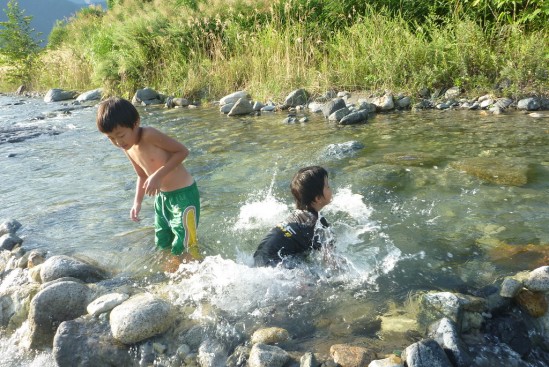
(261, 210)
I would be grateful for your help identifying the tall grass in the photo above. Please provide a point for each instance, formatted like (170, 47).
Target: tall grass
(271, 48)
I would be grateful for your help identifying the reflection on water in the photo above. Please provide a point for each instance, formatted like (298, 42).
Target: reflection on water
(409, 211)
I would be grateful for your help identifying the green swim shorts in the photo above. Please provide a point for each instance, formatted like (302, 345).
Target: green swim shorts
(176, 218)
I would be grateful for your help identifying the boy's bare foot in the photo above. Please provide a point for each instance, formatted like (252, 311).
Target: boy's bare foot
(172, 263)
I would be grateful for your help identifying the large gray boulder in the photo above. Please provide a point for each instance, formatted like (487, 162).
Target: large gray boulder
(233, 97)
(332, 106)
(146, 96)
(62, 266)
(140, 317)
(87, 342)
(241, 107)
(54, 304)
(56, 95)
(91, 95)
(297, 97)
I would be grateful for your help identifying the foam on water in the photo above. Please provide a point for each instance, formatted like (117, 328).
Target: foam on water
(244, 291)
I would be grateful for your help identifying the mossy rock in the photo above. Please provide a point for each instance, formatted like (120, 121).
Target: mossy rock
(416, 159)
(495, 170)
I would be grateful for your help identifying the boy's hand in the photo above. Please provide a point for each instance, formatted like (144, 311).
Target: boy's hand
(152, 185)
(134, 213)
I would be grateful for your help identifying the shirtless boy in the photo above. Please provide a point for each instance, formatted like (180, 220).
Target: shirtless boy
(157, 160)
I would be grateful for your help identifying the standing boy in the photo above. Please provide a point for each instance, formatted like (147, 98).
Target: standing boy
(157, 160)
(302, 230)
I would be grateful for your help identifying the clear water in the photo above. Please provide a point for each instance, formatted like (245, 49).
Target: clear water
(402, 227)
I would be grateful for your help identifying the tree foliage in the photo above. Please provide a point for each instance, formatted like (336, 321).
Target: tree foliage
(17, 46)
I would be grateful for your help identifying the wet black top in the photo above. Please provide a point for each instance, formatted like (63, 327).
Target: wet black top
(294, 236)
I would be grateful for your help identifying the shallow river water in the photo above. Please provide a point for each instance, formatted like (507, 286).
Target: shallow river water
(435, 200)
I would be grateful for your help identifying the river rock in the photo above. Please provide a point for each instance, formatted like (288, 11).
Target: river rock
(355, 117)
(139, 318)
(418, 159)
(425, 353)
(271, 335)
(445, 333)
(511, 330)
(538, 279)
(342, 150)
(88, 342)
(233, 97)
(297, 97)
(528, 104)
(391, 361)
(14, 304)
(263, 355)
(452, 93)
(9, 241)
(351, 356)
(495, 170)
(54, 304)
(308, 360)
(55, 95)
(105, 303)
(91, 95)
(384, 103)
(226, 108)
(241, 107)
(239, 357)
(9, 226)
(146, 96)
(212, 353)
(451, 305)
(332, 106)
(172, 102)
(510, 287)
(533, 302)
(339, 114)
(61, 266)
(403, 102)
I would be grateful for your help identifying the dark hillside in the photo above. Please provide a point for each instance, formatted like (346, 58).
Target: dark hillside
(45, 13)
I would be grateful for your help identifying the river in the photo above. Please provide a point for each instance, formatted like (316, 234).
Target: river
(413, 210)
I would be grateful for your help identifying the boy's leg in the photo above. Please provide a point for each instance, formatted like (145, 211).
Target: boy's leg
(163, 235)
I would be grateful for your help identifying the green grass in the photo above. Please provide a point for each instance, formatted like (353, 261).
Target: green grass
(270, 49)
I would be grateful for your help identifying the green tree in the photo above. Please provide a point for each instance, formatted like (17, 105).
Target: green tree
(18, 48)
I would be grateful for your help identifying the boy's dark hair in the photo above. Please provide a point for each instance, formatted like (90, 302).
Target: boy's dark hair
(307, 185)
(114, 112)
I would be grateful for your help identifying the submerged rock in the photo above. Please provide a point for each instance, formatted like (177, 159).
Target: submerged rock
(418, 159)
(495, 170)
(9, 226)
(342, 150)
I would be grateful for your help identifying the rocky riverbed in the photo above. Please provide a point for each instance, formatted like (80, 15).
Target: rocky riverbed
(87, 317)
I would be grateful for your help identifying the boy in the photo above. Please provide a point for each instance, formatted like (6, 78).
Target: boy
(157, 160)
(301, 231)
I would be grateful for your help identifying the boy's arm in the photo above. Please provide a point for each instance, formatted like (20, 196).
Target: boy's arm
(178, 153)
(139, 190)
